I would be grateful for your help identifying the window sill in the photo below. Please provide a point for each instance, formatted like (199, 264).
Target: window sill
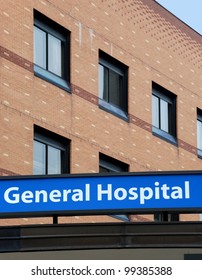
(164, 135)
(113, 109)
(53, 79)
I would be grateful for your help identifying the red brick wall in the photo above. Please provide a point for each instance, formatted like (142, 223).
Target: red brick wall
(153, 43)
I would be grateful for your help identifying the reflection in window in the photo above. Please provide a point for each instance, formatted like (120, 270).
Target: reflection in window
(39, 47)
(50, 153)
(160, 113)
(51, 51)
(54, 55)
(111, 86)
(54, 160)
(44, 43)
(47, 159)
(113, 80)
(164, 113)
(199, 132)
(39, 158)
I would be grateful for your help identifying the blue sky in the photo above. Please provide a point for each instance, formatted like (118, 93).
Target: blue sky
(189, 11)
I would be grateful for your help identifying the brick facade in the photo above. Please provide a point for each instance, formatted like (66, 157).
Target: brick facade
(155, 46)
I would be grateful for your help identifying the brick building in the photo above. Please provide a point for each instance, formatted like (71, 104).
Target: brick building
(98, 86)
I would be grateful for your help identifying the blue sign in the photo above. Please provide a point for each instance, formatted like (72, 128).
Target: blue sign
(94, 194)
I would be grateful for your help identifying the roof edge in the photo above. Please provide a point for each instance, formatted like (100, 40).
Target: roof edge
(174, 20)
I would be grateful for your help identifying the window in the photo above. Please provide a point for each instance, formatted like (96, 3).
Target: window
(199, 132)
(113, 85)
(51, 153)
(164, 113)
(109, 165)
(166, 217)
(51, 51)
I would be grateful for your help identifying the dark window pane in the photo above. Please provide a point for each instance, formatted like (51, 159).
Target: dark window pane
(106, 85)
(113, 85)
(164, 113)
(104, 169)
(103, 83)
(115, 89)
(50, 152)
(39, 158)
(108, 164)
(39, 47)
